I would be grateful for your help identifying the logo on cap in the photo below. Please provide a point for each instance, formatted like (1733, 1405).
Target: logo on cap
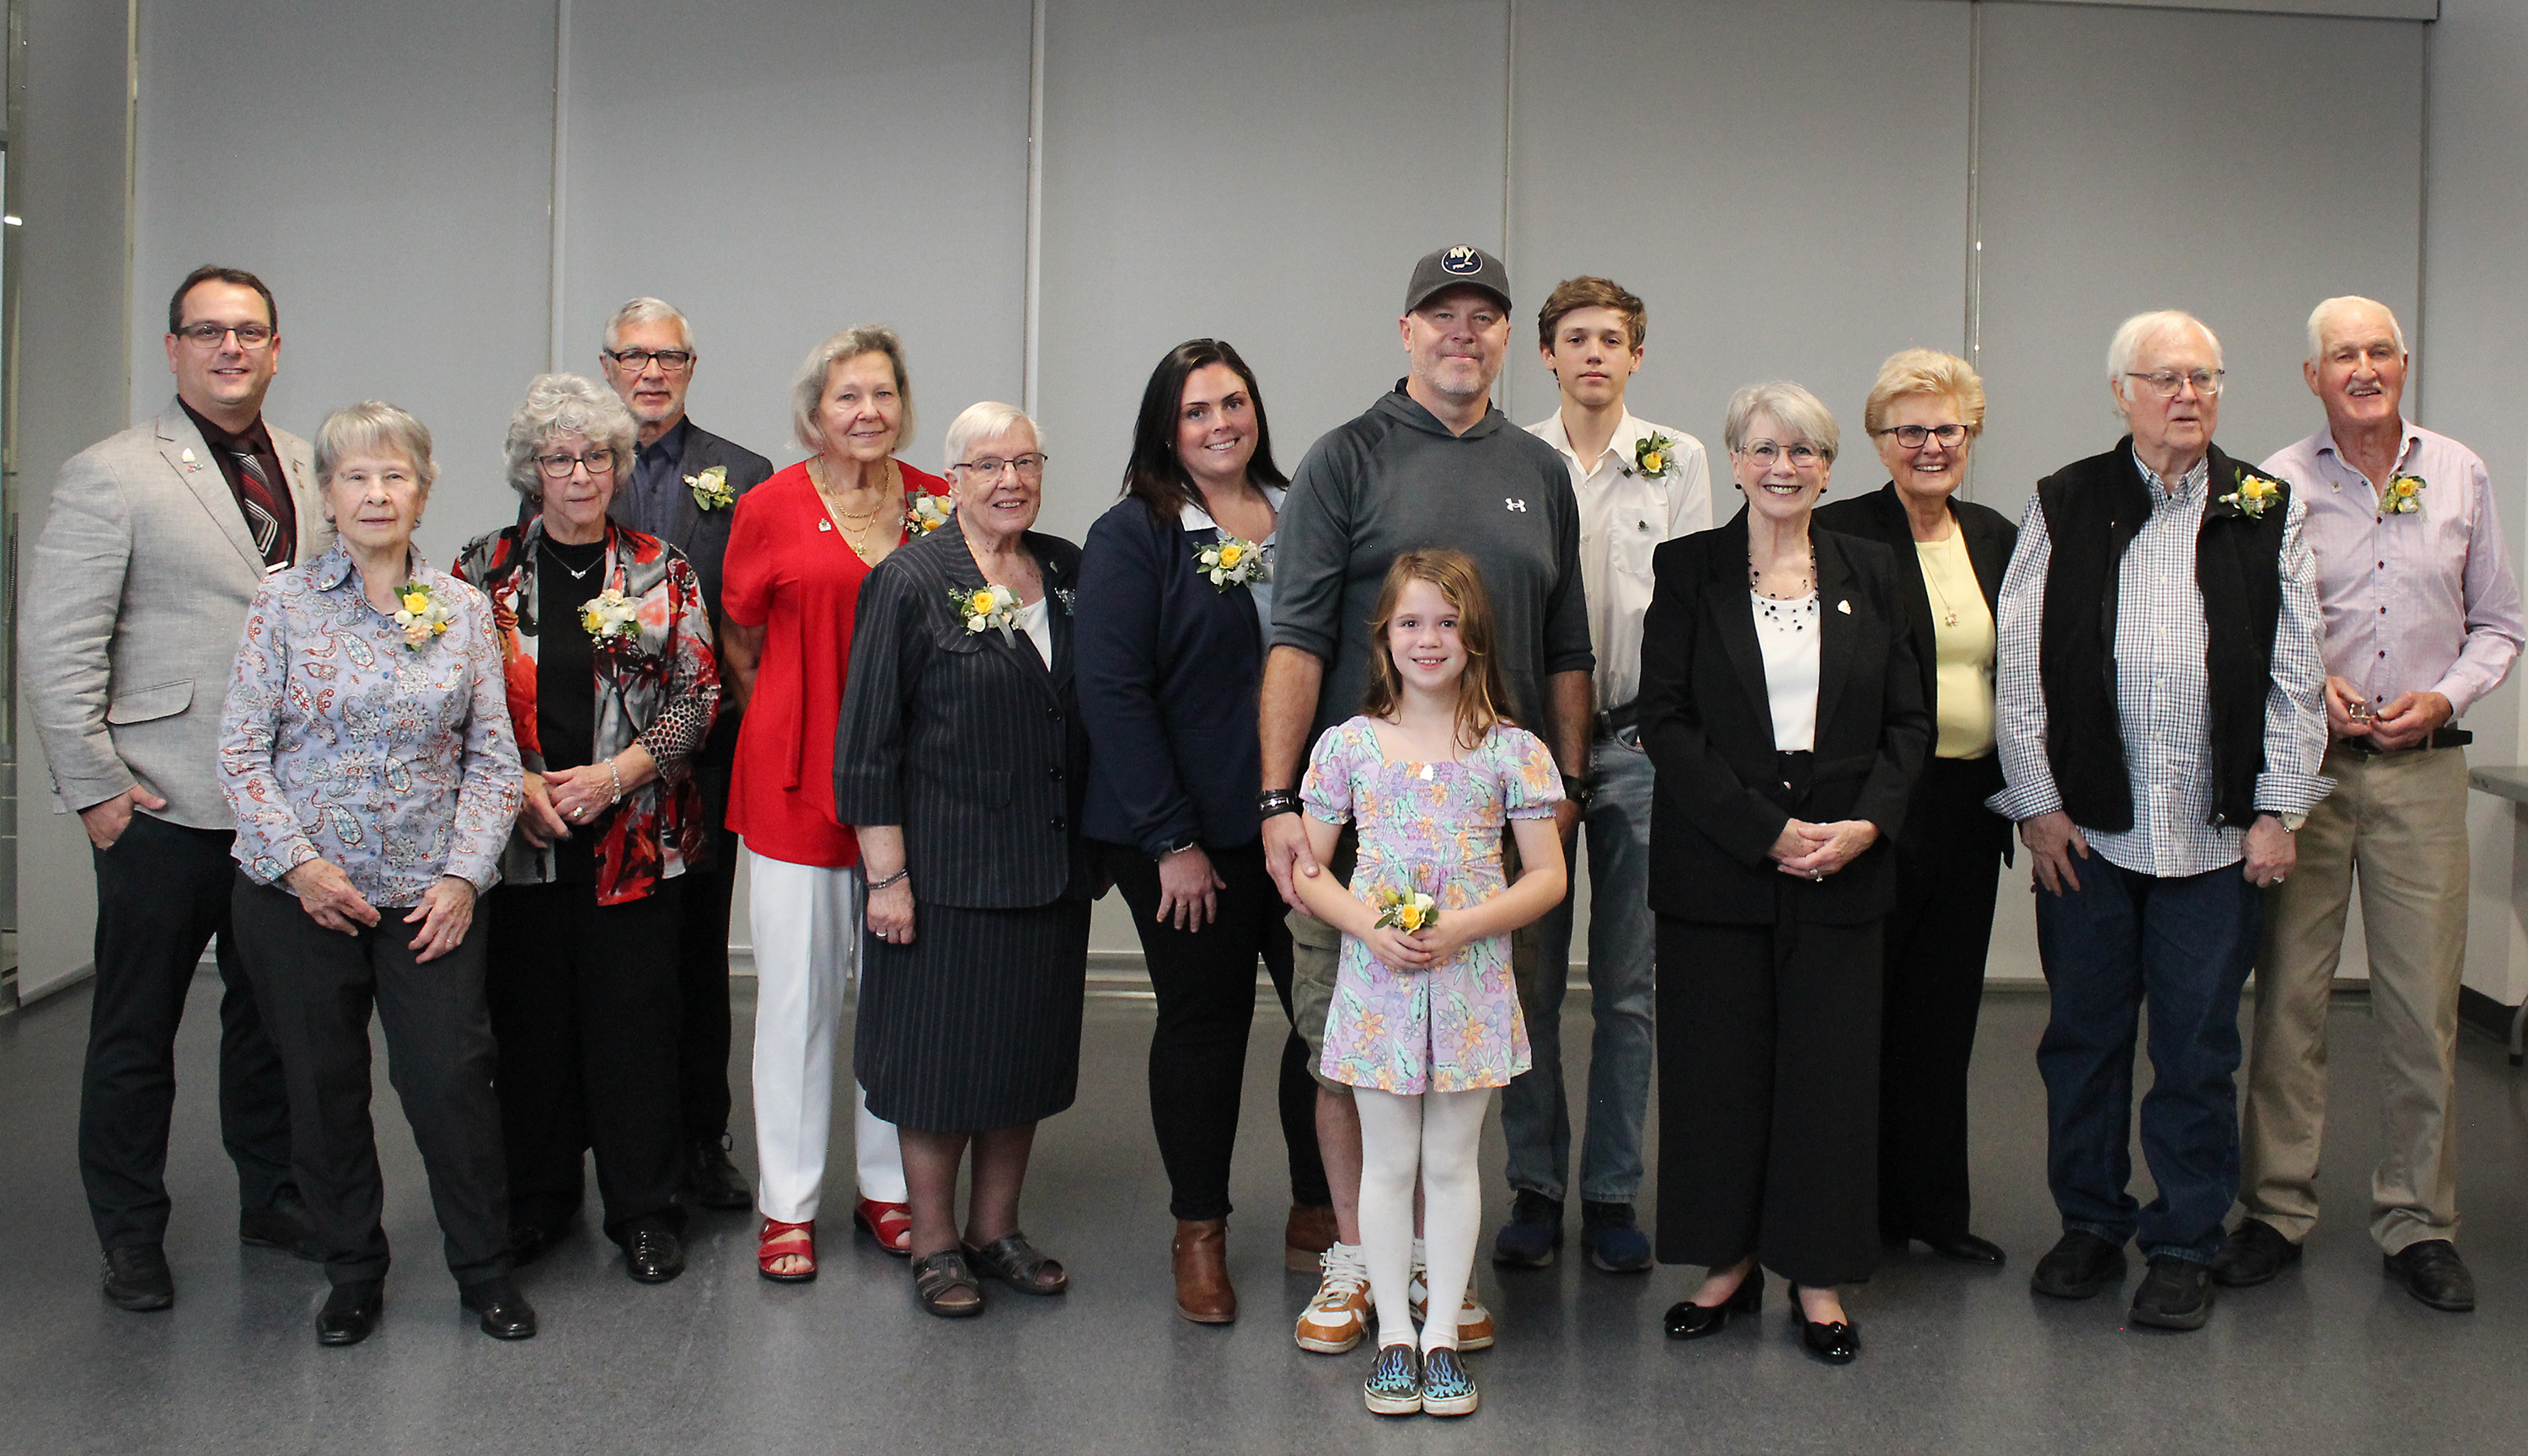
(1462, 259)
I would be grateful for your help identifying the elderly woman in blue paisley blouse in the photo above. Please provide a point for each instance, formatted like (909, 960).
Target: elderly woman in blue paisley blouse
(366, 749)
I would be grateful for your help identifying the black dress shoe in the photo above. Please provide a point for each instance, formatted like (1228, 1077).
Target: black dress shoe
(1834, 1341)
(505, 1312)
(2254, 1254)
(652, 1256)
(2432, 1273)
(1687, 1320)
(1962, 1248)
(2175, 1294)
(350, 1313)
(713, 1178)
(529, 1242)
(284, 1225)
(2080, 1265)
(137, 1277)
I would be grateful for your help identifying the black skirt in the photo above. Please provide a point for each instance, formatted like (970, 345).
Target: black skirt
(977, 1024)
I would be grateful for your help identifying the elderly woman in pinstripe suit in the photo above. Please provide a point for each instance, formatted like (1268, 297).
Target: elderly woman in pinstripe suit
(961, 763)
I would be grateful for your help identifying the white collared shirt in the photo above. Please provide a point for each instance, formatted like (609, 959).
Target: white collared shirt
(1195, 518)
(1623, 516)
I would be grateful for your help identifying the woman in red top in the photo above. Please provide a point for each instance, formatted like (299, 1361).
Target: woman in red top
(798, 549)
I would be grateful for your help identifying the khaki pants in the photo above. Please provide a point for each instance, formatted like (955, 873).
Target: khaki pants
(2399, 821)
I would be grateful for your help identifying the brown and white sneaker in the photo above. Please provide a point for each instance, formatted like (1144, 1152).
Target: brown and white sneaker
(1474, 1322)
(1335, 1320)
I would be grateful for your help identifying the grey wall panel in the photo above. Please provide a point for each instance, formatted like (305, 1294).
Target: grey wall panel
(2225, 180)
(1784, 186)
(786, 167)
(1265, 175)
(386, 169)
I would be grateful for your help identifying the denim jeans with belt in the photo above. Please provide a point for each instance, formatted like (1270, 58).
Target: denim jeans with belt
(1536, 1117)
(2182, 948)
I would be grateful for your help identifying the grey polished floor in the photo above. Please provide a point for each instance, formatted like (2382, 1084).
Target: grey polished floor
(2331, 1358)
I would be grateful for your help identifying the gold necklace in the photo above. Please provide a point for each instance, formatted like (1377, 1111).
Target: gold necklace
(830, 496)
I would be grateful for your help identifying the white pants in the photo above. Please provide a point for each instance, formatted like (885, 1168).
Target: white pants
(805, 922)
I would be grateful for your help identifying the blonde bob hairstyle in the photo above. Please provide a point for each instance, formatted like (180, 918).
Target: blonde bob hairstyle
(808, 390)
(374, 426)
(1801, 414)
(1482, 695)
(1910, 372)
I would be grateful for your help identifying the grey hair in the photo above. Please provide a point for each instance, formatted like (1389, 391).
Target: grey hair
(567, 405)
(1792, 407)
(647, 310)
(2324, 314)
(982, 422)
(808, 391)
(376, 426)
(2140, 329)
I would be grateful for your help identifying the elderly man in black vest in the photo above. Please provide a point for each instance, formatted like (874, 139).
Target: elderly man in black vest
(2160, 722)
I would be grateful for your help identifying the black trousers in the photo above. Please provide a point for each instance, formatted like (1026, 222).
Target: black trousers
(162, 893)
(317, 987)
(702, 958)
(1768, 1096)
(1205, 982)
(1948, 866)
(584, 1006)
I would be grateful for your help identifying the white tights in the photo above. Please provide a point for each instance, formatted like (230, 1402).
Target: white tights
(1434, 1134)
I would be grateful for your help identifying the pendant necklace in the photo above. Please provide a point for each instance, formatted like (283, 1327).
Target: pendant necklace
(577, 573)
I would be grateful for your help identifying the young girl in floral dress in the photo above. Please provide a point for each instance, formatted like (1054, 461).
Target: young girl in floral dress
(1425, 1020)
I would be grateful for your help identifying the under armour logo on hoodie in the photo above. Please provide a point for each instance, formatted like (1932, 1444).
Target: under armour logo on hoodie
(1513, 503)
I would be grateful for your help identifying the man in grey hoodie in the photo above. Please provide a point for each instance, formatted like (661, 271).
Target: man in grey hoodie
(1432, 463)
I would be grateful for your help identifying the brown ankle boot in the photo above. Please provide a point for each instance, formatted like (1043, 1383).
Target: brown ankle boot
(1202, 1258)
(1307, 1236)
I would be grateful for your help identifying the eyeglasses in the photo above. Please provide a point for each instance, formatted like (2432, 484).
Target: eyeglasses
(210, 335)
(674, 361)
(1802, 456)
(1029, 466)
(558, 467)
(1911, 437)
(2165, 383)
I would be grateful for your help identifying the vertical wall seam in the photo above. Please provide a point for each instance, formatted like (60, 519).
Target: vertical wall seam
(1510, 146)
(130, 184)
(1973, 321)
(556, 217)
(1030, 327)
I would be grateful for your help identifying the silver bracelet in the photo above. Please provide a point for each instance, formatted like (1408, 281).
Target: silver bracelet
(618, 784)
(890, 879)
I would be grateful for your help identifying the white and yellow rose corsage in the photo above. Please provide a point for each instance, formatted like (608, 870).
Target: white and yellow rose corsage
(2255, 494)
(1653, 457)
(612, 618)
(2404, 496)
(992, 605)
(1229, 562)
(711, 489)
(421, 614)
(925, 512)
(1407, 911)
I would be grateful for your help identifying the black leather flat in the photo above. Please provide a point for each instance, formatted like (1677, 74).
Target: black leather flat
(1687, 1320)
(1834, 1341)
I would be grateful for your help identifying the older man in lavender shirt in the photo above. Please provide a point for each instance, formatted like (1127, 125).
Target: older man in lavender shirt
(2422, 619)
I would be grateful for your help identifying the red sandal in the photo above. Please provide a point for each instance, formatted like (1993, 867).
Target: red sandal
(890, 1223)
(778, 1241)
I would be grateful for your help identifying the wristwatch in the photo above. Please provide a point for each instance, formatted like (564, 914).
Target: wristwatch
(1577, 790)
(1277, 801)
(1179, 847)
(2290, 822)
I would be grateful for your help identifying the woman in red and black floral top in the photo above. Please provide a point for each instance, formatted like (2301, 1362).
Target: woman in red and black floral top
(607, 653)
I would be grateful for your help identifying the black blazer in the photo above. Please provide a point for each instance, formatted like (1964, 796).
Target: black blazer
(966, 741)
(1707, 723)
(1989, 538)
(1170, 668)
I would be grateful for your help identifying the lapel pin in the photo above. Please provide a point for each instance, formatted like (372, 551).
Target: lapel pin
(187, 458)
(824, 525)
(1844, 607)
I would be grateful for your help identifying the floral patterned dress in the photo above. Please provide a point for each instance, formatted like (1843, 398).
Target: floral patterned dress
(1436, 828)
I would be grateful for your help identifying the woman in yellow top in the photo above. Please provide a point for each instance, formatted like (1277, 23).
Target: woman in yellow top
(1923, 415)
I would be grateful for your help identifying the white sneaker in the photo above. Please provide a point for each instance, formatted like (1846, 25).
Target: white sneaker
(1334, 1321)
(1474, 1322)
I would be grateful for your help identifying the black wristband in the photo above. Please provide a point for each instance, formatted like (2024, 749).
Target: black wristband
(1576, 788)
(1277, 801)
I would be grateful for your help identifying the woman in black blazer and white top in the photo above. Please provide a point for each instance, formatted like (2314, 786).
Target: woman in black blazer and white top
(1782, 711)
(1924, 413)
(1170, 659)
(960, 761)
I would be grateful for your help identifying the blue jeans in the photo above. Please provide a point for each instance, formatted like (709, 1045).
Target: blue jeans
(2182, 946)
(1536, 1116)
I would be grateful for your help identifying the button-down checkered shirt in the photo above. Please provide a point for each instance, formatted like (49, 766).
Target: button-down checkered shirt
(2162, 701)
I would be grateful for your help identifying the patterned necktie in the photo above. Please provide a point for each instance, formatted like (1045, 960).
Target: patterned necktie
(262, 511)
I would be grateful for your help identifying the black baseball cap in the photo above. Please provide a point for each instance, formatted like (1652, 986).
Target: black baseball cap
(1463, 266)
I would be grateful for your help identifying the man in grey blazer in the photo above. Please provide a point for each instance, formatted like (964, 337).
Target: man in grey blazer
(153, 546)
(684, 490)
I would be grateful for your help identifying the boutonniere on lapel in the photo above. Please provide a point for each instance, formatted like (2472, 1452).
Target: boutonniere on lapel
(2403, 496)
(613, 619)
(2254, 494)
(1229, 562)
(421, 614)
(1653, 457)
(993, 606)
(711, 489)
(925, 512)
